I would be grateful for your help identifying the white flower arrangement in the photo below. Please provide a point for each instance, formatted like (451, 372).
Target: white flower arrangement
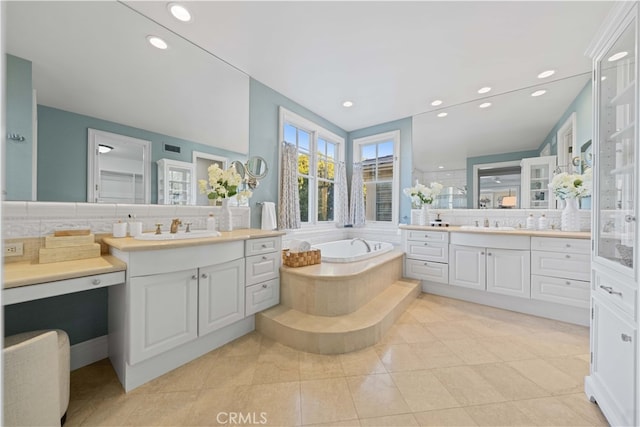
(222, 183)
(572, 186)
(421, 194)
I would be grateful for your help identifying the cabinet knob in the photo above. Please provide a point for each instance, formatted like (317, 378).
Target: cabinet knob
(96, 282)
(264, 286)
(489, 253)
(482, 253)
(426, 244)
(567, 256)
(426, 236)
(568, 245)
(204, 275)
(567, 282)
(194, 277)
(264, 246)
(625, 337)
(264, 258)
(629, 218)
(426, 264)
(609, 290)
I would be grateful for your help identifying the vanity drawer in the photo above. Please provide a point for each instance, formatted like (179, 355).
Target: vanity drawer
(616, 292)
(431, 236)
(559, 244)
(428, 251)
(262, 267)
(563, 291)
(562, 265)
(262, 296)
(424, 270)
(262, 246)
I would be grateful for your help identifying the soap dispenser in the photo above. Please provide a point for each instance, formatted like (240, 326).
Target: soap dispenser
(543, 222)
(211, 223)
(531, 222)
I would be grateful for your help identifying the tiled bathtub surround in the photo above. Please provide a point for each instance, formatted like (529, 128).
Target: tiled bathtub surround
(37, 219)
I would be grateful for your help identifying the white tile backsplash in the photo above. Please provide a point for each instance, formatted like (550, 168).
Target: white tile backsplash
(51, 210)
(95, 210)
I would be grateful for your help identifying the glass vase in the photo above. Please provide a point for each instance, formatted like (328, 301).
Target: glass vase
(424, 217)
(570, 217)
(225, 220)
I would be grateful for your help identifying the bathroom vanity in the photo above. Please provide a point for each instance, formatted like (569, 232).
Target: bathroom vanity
(184, 298)
(544, 273)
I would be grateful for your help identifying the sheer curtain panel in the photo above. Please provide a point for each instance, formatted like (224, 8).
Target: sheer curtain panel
(289, 203)
(356, 208)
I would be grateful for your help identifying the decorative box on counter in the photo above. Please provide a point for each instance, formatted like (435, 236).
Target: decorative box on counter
(300, 259)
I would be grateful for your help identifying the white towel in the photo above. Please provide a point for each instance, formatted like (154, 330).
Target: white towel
(299, 246)
(269, 216)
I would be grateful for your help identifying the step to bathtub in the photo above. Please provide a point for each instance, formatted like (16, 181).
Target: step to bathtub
(339, 334)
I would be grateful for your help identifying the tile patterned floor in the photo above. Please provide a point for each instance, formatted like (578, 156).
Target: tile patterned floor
(444, 363)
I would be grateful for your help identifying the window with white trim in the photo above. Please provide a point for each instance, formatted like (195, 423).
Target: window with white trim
(381, 173)
(318, 152)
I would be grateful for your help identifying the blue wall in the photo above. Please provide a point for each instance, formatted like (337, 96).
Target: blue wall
(495, 158)
(264, 104)
(19, 112)
(406, 165)
(62, 152)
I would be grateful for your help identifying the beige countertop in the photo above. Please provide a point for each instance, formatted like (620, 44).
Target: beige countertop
(516, 232)
(131, 244)
(31, 273)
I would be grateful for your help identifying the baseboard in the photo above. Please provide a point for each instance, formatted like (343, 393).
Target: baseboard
(90, 351)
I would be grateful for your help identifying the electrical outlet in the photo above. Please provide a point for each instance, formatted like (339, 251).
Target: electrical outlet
(13, 249)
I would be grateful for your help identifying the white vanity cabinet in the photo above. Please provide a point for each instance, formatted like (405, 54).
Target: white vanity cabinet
(220, 295)
(561, 270)
(614, 381)
(262, 273)
(494, 263)
(427, 255)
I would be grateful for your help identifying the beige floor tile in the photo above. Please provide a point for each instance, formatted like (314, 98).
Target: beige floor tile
(403, 420)
(279, 402)
(581, 405)
(95, 381)
(471, 351)
(78, 411)
(424, 314)
(576, 367)
(326, 400)
(191, 376)
(456, 417)
(213, 406)
(347, 423)
(392, 336)
(549, 411)
(113, 411)
(436, 355)
(399, 357)
(277, 367)
(548, 376)
(361, 362)
(232, 371)
(243, 346)
(510, 383)
(448, 330)
(499, 414)
(319, 366)
(406, 317)
(376, 396)
(506, 348)
(415, 332)
(162, 409)
(546, 345)
(422, 391)
(467, 387)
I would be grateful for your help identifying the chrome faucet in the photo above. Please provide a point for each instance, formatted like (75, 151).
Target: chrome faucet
(175, 223)
(363, 241)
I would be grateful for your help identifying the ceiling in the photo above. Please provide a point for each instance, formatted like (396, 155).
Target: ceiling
(390, 58)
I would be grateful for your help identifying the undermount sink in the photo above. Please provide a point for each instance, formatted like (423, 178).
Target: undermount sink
(473, 227)
(180, 235)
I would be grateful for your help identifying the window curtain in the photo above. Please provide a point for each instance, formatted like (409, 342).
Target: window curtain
(289, 203)
(356, 208)
(342, 196)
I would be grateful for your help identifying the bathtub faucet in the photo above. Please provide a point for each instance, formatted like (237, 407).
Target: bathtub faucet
(363, 241)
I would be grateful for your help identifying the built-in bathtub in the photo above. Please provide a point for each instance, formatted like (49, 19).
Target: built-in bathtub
(351, 250)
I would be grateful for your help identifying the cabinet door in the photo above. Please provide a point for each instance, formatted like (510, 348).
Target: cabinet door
(260, 268)
(221, 301)
(614, 366)
(163, 313)
(467, 266)
(615, 176)
(509, 272)
(262, 296)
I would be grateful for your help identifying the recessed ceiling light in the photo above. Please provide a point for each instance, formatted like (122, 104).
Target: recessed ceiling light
(484, 89)
(443, 114)
(617, 56)
(347, 104)
(102, 148)
(603, 78)
(179, 12)
(440, 167)
(157, 42)
(545, 74)
(436, 102)
(485, 105)
(539, 92)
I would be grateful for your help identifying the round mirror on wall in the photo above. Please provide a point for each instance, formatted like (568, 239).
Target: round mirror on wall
(257, 167)
(239, 167)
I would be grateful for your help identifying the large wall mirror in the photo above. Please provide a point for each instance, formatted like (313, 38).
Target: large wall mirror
(79, 65)
(475, 150)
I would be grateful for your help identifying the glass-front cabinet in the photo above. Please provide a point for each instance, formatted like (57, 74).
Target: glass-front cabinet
(536, 175)
(616, 99)
(176, 182)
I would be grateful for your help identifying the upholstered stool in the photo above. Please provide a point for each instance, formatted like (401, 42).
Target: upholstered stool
(36, 377)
